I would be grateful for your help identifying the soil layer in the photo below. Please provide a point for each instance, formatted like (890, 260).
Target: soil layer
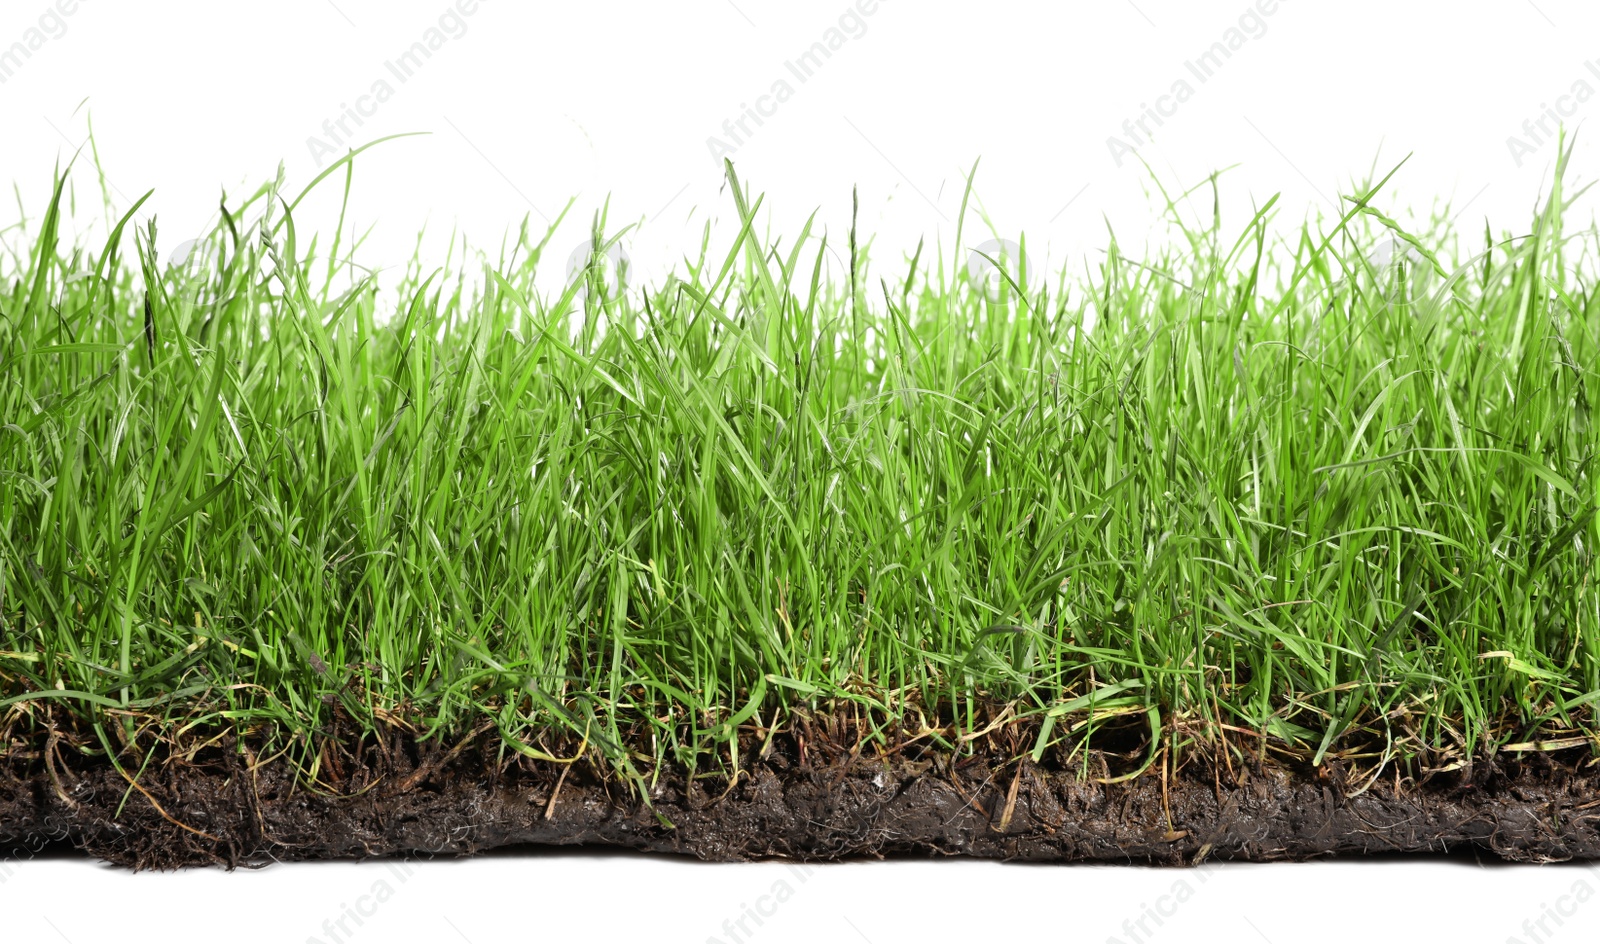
(399, 797)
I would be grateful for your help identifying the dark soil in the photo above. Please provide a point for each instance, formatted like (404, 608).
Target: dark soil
(801, 800)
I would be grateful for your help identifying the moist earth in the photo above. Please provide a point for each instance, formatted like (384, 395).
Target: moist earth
(400, 797)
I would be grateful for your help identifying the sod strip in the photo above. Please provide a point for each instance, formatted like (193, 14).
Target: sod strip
(1256, 548)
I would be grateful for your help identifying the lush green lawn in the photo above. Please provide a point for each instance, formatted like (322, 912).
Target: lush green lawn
(1334, 507)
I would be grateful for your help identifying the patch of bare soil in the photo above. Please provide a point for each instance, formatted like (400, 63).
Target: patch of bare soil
(812, 800)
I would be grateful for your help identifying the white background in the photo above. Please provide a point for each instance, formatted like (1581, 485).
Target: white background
(535, 103)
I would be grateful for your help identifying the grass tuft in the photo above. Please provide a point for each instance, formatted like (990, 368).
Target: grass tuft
(1251, 496)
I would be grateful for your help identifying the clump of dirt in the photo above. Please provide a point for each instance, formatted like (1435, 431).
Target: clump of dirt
(790, 798)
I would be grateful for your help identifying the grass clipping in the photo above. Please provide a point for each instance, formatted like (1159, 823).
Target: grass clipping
(1256, 500)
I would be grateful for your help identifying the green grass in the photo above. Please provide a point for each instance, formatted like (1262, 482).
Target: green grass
(1250, 492)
